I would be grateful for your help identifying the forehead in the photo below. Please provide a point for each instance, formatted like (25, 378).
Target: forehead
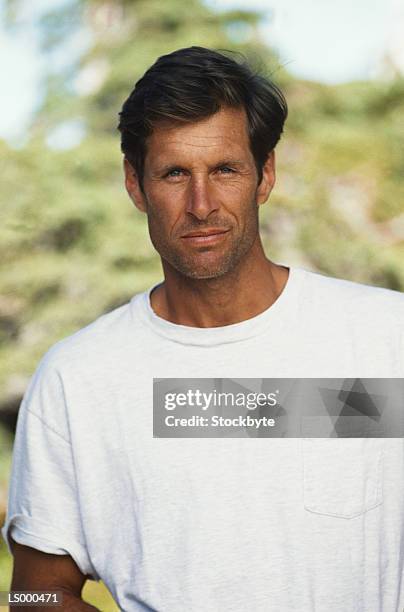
(225, 132)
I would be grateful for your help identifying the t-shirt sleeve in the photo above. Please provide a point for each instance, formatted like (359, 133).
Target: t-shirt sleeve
(43, 509)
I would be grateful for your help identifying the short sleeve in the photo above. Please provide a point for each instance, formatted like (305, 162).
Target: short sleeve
(43, 508)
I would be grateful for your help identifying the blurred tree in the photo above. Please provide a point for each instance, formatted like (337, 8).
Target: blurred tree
(72, 244)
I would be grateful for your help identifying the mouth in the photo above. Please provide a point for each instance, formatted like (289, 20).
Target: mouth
(207, 237)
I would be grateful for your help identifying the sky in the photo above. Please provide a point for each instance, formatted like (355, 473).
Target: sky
(330, 41)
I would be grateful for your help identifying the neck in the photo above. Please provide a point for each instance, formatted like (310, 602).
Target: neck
(236, 296)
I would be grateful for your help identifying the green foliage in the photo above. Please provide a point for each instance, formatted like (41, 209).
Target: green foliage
(5, 463)
(72, 244)
(5, 568)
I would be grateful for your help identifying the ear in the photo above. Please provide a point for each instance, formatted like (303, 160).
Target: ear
(133, 187)
(268, 179)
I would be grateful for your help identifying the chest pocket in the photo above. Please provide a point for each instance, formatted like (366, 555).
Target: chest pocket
(342, 477)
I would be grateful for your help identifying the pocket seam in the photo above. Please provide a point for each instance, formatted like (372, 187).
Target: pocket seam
(377, 493)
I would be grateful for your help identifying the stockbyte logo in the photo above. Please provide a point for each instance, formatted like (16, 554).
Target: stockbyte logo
(279, 408)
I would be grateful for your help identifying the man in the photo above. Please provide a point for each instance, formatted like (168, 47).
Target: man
(209, 524)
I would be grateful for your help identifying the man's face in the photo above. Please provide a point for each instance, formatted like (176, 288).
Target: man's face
(199, 178)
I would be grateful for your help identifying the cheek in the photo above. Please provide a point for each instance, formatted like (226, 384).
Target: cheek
(238, 198)
(164, 216)
(238, 187)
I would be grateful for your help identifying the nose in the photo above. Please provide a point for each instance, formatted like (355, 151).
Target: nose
(201, 201)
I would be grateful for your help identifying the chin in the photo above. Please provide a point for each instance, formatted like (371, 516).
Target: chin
(205, 271)
(199, 274)
(205, 266)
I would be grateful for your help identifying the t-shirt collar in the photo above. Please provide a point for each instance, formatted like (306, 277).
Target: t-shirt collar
(279, 313)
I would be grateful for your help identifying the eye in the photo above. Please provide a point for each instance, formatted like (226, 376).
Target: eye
(226, 170)
(174, 173)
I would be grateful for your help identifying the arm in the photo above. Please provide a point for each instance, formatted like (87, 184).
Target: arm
(43, 527)
(38, 571)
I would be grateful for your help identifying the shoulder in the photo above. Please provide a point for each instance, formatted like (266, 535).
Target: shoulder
(375, 315)
(96, 342)
(354, 296)
(78, 362)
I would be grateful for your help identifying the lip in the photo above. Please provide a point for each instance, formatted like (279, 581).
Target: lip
(205, 238)
(211, 232)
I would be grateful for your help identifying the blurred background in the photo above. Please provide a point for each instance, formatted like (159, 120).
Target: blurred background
(73, 247)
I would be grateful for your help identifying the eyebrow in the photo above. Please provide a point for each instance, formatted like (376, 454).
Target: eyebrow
(165, 168)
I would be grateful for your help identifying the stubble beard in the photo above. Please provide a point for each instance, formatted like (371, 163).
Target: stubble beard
(202, 264)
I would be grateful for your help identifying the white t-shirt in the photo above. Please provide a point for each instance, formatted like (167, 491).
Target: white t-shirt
(216, 525)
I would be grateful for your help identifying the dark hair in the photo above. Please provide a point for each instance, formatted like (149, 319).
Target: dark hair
(191, 84)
